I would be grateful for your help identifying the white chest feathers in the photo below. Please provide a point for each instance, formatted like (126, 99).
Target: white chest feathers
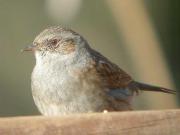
(56, 91)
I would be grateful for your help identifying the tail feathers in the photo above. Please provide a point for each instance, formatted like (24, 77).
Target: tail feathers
(147, 87)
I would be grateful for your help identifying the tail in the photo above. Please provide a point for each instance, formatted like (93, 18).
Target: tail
(146, 87)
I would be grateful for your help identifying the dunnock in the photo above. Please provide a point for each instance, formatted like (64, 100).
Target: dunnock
(70, 77)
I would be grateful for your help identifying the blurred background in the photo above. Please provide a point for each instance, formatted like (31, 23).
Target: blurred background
(141, 36)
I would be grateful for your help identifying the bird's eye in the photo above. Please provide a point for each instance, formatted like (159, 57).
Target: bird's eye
(54, 42)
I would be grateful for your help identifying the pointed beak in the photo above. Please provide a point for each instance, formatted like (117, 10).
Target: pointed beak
(28, 48)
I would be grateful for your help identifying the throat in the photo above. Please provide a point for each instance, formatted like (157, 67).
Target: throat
(49, 59)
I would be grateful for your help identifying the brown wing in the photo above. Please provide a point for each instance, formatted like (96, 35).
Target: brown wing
(117, 81)
(111, 74)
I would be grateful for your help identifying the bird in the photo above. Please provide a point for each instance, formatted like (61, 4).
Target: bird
(71, 77)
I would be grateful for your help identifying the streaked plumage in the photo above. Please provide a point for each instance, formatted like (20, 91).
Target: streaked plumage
(71, 77)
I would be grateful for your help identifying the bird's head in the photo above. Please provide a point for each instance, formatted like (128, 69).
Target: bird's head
(57, 41)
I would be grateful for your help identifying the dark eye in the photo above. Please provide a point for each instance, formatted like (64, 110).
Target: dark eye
(54, 42)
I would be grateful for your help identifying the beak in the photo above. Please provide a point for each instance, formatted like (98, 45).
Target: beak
(28, 48)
